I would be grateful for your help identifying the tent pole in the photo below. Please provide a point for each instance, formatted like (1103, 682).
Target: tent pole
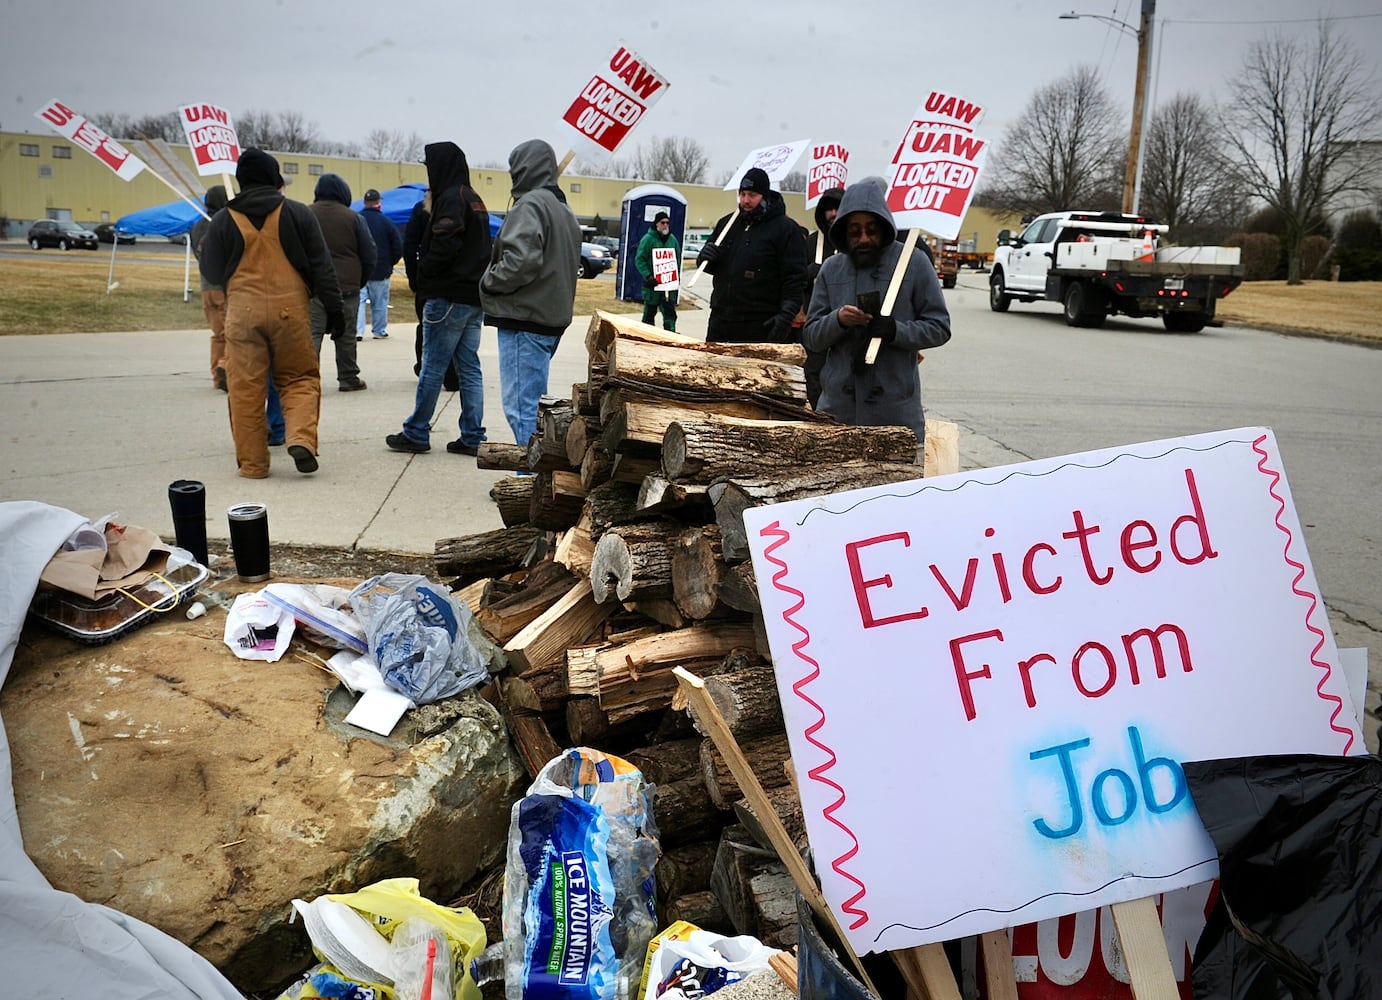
(187, 268)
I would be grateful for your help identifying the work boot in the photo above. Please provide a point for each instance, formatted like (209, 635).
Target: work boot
(401, 442)
(355, 386)
(459, 447)
(303, 458)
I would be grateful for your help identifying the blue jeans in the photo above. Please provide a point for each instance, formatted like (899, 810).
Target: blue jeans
(273, 410)
(376, 293)
(450, 332)
(524, 359)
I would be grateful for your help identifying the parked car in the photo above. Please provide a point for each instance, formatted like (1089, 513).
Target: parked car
(610, 243)
(106, 233)
(63, 235)
(595, 260)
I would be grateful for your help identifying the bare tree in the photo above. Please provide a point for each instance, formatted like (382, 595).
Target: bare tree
(1187, 181)
(678, 159)
(167, 127)
(282, 132)
(1297, 110)
(794, 181)
(392, 144)
(1067, 150)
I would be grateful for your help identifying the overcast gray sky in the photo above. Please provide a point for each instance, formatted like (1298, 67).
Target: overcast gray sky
(742, 74)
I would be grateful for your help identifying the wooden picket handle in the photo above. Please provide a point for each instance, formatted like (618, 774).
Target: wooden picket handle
(894, 286)
(718, 240)
(1144, 950)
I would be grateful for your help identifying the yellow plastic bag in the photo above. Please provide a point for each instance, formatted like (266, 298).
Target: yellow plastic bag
(389, 902)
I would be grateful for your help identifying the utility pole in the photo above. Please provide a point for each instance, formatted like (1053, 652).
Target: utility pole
(1139, 102)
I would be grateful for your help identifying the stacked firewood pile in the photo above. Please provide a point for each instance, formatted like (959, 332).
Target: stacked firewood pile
(625, 555)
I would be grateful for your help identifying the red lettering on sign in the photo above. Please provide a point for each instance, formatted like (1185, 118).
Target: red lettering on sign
(862, 586)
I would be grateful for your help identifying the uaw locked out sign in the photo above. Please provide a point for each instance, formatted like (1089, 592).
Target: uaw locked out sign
(1018, 660)
(936, 165)
(613, 101)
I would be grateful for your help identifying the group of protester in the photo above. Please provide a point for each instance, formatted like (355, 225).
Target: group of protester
(278, 277)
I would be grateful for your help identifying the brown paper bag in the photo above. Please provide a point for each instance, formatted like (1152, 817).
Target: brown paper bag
(132, 556)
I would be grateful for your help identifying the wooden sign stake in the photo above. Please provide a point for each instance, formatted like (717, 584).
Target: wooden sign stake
(894, 286)
(695, 275)
(565, 161)
(1144, 950)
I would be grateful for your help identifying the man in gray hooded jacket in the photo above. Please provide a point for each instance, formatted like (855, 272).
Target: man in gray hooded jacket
(529, 288)
(844, 316)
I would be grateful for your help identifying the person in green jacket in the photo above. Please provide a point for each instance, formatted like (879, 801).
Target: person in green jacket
(659, 236)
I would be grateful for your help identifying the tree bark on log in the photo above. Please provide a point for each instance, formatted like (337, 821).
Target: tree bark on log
(526, 728)
(488, 553)
(505, 618)
(605, 328)
(688, 501)
(684, 812)
(702, 909)
(628, 469)
(739, 588)
(635, 424)
(585, 398)
(581, 433)
(668, 761)
(685, 869)
(569, 622)
(753, 886)
(513, 497)
(597, 466)
(657, 366)
(557, 500)
(732, 495)
(747, 701)
(499, 456)
(700, 451)
(634, 562)
(765, 754)
(612, 505)
(788, 809)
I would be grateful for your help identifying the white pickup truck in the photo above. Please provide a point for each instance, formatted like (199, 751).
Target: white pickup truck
(1097, 264)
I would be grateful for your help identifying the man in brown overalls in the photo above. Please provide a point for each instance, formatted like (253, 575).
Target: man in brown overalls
(269, 255)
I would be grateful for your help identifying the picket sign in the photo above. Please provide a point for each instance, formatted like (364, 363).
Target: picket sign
(695, 275)
(1144, 949)
(894, 286)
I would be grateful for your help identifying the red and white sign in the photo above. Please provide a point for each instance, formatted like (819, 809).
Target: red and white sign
(211, 134)
(829, 169)
(1035, 674)
(613, 101)
(936, 165)
(775, 161)
(66, 122)
(665, 269)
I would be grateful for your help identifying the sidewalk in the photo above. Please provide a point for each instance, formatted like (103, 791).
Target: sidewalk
(103, 423)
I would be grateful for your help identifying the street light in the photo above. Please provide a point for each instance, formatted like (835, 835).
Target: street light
(1132, 176)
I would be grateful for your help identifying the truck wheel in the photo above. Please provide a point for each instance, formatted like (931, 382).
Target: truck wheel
(999, 299)
(1184, 322)
(1084, 306)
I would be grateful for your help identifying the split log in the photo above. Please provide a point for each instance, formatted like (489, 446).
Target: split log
(586, 722)
(477, 595)
(747, 700)
(513, 496)
(571, 621)
(660, 609)
(767, 755)
(610, 505)
(634, 423)
(557, 500)
(734, 494)
(658, 366)
(629, 469)
(739, 588)
(526, 727)
(685, 869)
(670, 760)
(700, 451)
(487, 553)
(701, 909)
(634, 562)
(575, 550)
(597, 466)
(690, 501)
(581, 433)
(684, 812)
(605, 328)
(500, 456)
(697, 569)
(941, 449)
(503, 619)
(755, 889)
(788, 809)
(547, 447)
(585, 398)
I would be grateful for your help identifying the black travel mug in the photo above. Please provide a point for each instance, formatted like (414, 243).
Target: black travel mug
(187, 498)
(249, 540)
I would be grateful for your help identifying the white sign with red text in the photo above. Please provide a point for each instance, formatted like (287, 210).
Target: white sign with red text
(775, 161)
(613, 101)
(990, 679)
(66, 122)
(665, 269)
(936, 165)
(829, 169)
(211, 134)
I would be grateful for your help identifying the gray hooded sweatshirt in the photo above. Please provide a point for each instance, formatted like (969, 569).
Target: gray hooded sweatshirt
(887, 392)
(530, 283)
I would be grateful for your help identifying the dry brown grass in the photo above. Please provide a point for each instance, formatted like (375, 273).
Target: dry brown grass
(1347, 309)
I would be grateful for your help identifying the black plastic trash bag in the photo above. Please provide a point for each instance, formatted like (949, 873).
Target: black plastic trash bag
(1300, 870)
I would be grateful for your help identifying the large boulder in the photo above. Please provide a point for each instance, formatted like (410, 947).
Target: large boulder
(166, 778)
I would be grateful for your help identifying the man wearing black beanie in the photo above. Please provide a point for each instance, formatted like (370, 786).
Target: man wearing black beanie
(269, 255)
(758, 259)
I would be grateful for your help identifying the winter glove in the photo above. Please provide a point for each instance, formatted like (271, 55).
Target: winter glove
(884, 328)
(708, 255)
(335, 323)
(650, 280)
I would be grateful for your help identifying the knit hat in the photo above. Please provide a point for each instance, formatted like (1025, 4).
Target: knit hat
(661, 217)
(371, 197)
(257, 167)
(756, 180)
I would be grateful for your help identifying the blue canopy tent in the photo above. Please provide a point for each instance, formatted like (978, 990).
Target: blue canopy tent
(397, 205)
(173, 219)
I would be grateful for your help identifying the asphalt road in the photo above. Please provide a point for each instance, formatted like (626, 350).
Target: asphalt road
(1024, 385)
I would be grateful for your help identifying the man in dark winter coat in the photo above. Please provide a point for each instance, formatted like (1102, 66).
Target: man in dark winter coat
(759, 268)
(845, 316)
(818, 249)
(269, 255)
(352, 255)
(451, 258)
(388, 247)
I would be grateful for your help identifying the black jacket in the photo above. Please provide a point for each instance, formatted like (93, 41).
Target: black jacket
(347, 237)
(456, 246)
(298, 232)
(760, 273)
(388, 245)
